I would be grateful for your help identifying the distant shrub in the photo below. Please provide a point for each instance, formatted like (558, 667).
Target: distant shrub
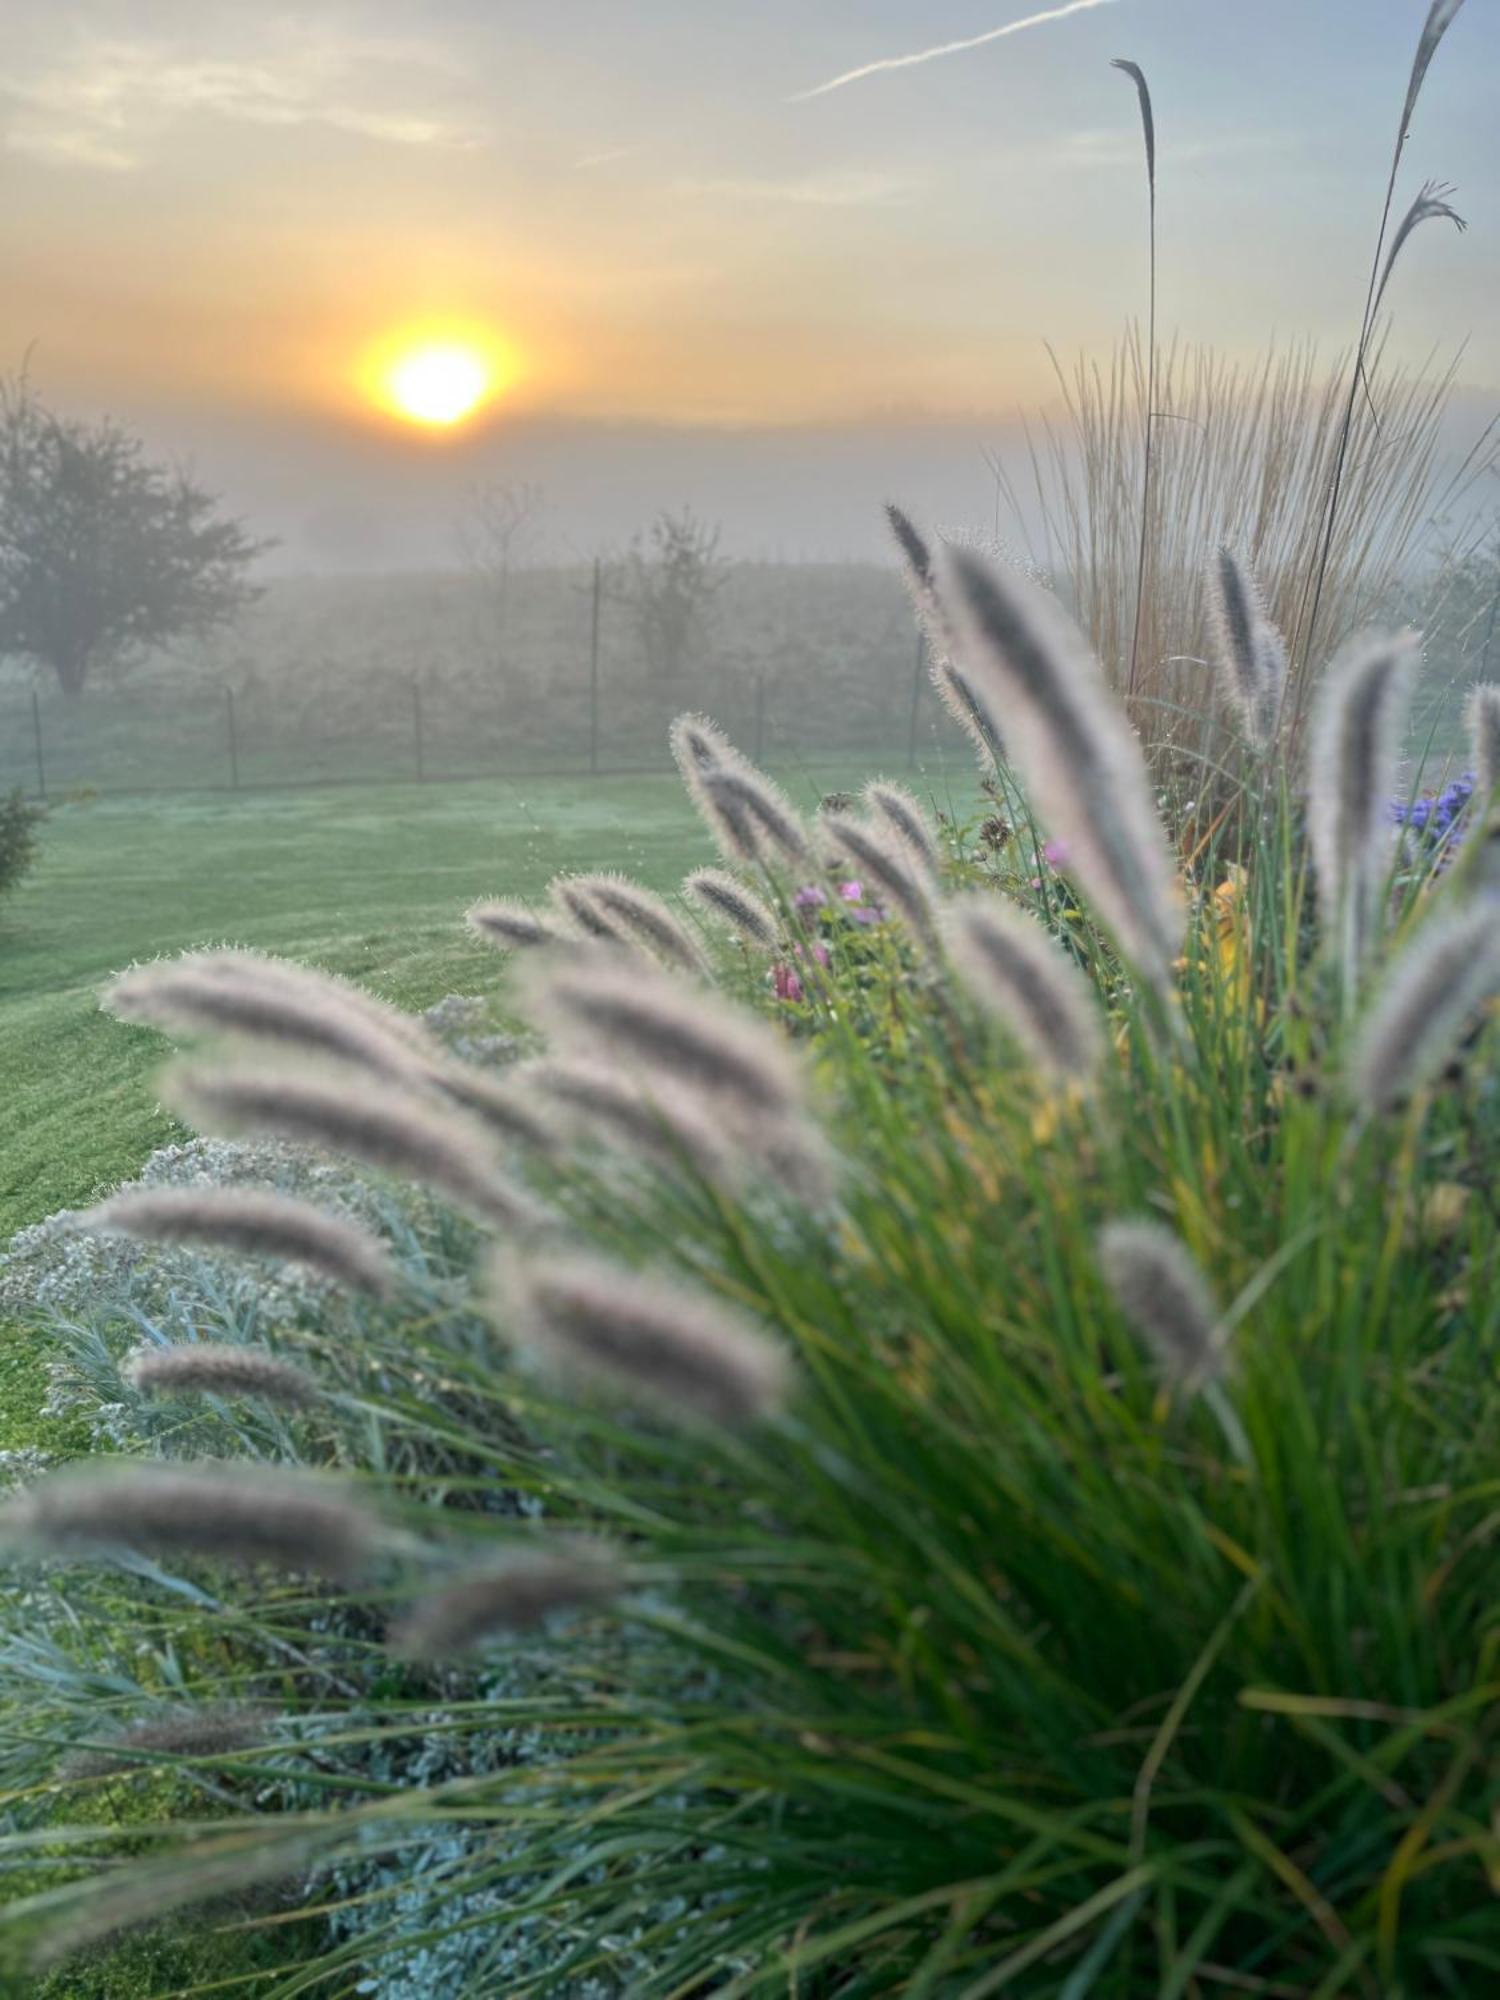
(19, 821)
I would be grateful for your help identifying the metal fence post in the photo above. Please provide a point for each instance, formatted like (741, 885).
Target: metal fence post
(36, 731)
(916, 703)
(416, 728)
(760, 718)
(594, 672)
(234, 748)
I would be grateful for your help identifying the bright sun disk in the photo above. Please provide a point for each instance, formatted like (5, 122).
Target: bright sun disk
(441, 383)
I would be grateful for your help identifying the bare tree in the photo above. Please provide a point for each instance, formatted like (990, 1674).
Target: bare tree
(495, 536)
(102, 553)
(672, 575)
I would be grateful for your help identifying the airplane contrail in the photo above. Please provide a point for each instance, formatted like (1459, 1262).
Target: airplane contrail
(946, 48)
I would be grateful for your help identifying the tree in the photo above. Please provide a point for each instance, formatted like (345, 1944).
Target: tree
(500, 523)
(103, 553)
(672, 578)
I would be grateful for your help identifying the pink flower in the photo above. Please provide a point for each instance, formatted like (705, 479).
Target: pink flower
(822, 954)
(851, 892)
(1056, 853)
(785, 983)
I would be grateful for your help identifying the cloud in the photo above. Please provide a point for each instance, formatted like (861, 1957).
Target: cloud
(946, 48)
(607, 158)
(105, 103)
(841, 189)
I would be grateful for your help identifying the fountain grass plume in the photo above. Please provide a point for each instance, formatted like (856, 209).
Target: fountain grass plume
(902, 812)
(758, 819)
(1482, 720)
(662, 1123)
(954, 687)
(516, 1594)
(1012, 966)
(634, 914)
(393, 1130)
(498, 1103)
(726, 898)
(1430, 996)
(208, 1730)
(1252, 659)
(238, 994)
(211, 1368)
(511, 925)
(1164, 1296)
(256, 1222)
(1084, 770)
(891, 866)
(1353, 743)
(582, 913)
(233, 1513)
(642, 1335)
(601, 1001)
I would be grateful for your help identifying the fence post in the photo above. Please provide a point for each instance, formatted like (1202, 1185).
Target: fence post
(36, 731)
(760, 718)
(916, 703)
(594, 672)
(416, 728)
(234, 748)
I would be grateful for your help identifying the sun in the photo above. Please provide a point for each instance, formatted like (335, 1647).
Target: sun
(435, 378)
(440, 385)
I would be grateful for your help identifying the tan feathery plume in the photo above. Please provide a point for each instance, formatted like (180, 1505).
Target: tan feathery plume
(892, 867)
(623, 1005)
(238, 993)
(1084, 770)
(903, 814)
(955, 689)
(209, 1368)
(727, 899)
(633, 915)
(512, 926)
(389, 1129)
(1354, 740)
(661, 1123)
(514, 1595)
(210, 1730)
(1432, 993)
(1011, 965)
(1252, 658)
(643, 1335)
(499, 1103)
(754, 811)
(256, 1222)
(235, 1513)
(581, 912)
(1482, 720)
(1165, 1297)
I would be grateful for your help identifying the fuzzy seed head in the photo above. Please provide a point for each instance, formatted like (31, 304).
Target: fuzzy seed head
(903, 814)
(1431, 995)
(754, 814)
(645, 1337)
(664, 1124)
(1082, 765)
(727, 899)
(1251, 655)
(1015, 969)
(232, 1513)
(516, 1595)
(512, 926)
(1482, 719)
(602, 1003)
(393, 1130)
(1354, 741)
(206, 1368)
(892, 865)
(256, 1222)
(208, 1730)
(1165, 1297)
(630, 914)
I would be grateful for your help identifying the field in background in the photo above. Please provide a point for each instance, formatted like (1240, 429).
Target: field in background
(402, 678)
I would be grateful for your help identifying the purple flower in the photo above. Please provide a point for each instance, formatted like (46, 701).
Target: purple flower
(811, 896)
(851, 892)
(785, 983)
(1434, 817)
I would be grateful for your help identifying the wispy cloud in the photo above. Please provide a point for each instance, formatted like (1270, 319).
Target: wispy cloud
(607, 158)
(103, 104)
(847, 189)
(919, 56)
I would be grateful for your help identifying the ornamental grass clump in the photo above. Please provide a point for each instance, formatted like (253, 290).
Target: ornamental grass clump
(1035, 1390)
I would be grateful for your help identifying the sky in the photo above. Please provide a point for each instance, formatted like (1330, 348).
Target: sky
(708, 276)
